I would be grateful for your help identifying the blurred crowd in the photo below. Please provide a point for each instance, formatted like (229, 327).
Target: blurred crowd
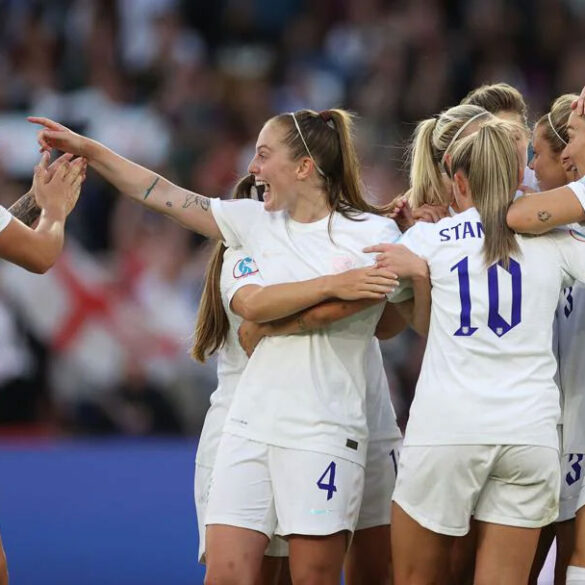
(100, 344)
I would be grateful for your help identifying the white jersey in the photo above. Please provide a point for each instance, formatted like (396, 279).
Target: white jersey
(305, 391)
(379, 410)
(238, 270)
(5, 217)
(571, 372)
(487, 373)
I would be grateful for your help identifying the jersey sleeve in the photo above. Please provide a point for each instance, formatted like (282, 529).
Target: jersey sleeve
(240, 270)
(5, 217)
(236, 219)
(578, 187)
(571, 244)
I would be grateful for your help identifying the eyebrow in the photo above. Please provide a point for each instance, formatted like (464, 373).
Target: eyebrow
(263, 146)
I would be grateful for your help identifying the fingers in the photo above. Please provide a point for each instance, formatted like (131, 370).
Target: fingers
(378, 248)
(41, 169)
(58, 162)
(46, 122)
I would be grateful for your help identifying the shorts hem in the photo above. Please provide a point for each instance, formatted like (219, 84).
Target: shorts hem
(316, 532)
(431, 524)
(518, 522)
(238, 524)
(372, 524)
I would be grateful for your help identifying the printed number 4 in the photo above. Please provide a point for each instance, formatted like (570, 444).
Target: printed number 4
(327, 481)
(575, 475)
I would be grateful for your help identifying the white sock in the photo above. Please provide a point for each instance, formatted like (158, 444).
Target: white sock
(575, 575)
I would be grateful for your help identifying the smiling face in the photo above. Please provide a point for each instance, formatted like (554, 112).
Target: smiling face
(273, 167)
(575, 149)
(546, 163)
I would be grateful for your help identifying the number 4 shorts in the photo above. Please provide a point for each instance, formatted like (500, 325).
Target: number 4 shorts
(442, 486)
(282, 491)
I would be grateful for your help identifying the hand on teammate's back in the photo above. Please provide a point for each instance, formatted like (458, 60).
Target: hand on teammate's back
(56, 191)
(399, 259)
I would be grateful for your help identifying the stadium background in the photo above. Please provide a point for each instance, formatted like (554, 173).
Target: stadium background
(100, 405)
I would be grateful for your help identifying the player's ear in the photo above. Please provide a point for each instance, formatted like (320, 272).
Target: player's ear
(461, 183)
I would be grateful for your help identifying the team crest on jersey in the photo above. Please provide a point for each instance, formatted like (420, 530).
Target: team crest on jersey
(342, 263)
(245, 267)
(579, 236)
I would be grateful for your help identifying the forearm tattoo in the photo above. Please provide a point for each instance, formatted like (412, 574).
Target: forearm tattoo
(149, 190)
(544, 216)
(301, 323)
(197, 200)
(26, 209)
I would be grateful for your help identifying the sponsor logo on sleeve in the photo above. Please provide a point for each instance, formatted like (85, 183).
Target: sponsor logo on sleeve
(577, 235)
(245, 267)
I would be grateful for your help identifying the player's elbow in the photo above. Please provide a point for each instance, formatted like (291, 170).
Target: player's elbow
(518, 220)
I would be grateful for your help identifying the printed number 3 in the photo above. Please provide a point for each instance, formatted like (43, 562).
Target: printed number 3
(575, 475)
(327, 481)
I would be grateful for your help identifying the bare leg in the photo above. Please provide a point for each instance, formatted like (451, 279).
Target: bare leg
(368, 560)
(420, 556)
(565, 547)
(547, 535)
(233, 555)
(463, 557)
(3, 566)
(317, 560)
(505, 554)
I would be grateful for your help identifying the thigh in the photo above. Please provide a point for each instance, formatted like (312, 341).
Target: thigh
(380, 479)
(463, 557)
(438, 485)
(317, 560)
(315, 494)
(504, 554)
(547, 536)
(565, 546)
(419, 555)
(233, 555)
(368, 561)
(578, 556)
(522, 489)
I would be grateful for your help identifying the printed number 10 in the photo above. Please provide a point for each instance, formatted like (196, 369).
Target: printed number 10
(495, 321)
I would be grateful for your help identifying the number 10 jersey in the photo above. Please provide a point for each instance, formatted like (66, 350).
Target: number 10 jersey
(488, 369)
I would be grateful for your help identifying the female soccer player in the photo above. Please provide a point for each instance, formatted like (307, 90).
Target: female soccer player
(556, 208)
(482, 434)
(553, 169)
(291, 457)
(233, 286)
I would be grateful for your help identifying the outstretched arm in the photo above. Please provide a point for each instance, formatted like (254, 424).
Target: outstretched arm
(189, 209)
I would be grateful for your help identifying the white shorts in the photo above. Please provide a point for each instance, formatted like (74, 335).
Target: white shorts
(277, 547)
(572, 469)
(380, 479)
(442, 486)
(283, 491)
(581, 498)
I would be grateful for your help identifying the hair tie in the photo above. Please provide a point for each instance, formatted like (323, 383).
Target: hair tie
(326, 116)
(555, 130)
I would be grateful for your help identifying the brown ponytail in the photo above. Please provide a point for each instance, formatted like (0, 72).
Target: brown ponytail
(212, 324)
